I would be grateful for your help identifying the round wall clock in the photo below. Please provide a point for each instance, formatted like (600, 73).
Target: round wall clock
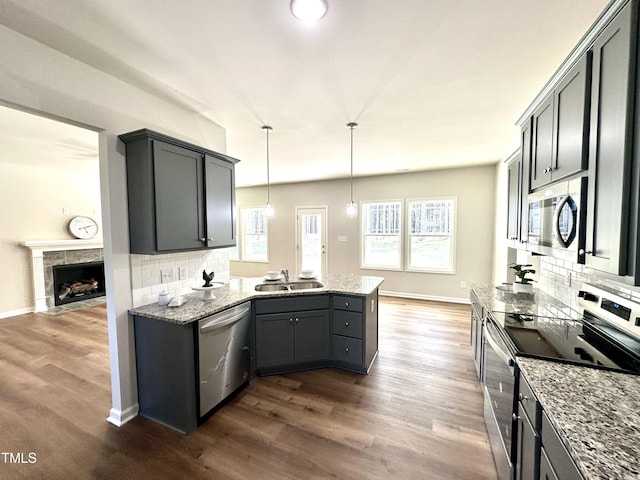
(83, 227)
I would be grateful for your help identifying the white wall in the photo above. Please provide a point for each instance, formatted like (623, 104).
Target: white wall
(36, 77)
(473, 187)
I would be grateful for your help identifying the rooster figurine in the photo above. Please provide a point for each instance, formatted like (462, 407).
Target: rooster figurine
(207, 277)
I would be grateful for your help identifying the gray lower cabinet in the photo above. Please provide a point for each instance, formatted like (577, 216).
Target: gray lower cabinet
(301, 332)
(291, 339)
(166, 370)
(528, 417)
(540, 454)
(292, 333)
(354, 343)
(559, 461)
(181, 197)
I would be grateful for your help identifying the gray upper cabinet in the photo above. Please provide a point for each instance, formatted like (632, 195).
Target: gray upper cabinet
(181, 197)
(513, 198)
(220, 201)
(542, 144)
(561, 127)
(610, 146)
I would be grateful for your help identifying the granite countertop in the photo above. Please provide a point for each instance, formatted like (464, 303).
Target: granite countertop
(240, 289)
(595, 412)
(540, 303)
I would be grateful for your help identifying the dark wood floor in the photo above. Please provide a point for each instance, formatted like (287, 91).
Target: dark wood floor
(418, 415)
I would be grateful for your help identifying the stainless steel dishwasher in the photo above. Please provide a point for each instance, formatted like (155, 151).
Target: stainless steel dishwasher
(224, 356)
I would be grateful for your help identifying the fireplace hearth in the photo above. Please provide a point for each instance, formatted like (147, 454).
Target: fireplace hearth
(77, 282)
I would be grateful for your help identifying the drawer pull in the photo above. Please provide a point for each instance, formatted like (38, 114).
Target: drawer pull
(346, 304)
(346, 324)
(346, 349)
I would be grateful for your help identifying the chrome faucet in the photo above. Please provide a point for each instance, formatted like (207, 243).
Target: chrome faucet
(285, 272)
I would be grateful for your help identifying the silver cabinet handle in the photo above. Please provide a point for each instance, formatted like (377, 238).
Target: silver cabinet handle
(346, 324)
(346, 349)
(291, 320)
(297, 319)
(346, 304)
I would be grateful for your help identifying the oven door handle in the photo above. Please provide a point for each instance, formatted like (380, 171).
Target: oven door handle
(505, 357)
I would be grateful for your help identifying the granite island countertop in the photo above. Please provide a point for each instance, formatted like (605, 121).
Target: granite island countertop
(242, 289)
(596, 413)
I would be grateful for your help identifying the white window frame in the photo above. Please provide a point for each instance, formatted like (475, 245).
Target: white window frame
(451, 268)
(241, 237)
(364, 209)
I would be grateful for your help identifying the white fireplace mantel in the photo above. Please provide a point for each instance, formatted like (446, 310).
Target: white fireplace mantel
(38, 247)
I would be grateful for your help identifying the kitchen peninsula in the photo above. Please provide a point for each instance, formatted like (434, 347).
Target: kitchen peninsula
(335, 325)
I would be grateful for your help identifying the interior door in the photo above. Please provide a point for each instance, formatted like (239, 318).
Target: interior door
(311, 241)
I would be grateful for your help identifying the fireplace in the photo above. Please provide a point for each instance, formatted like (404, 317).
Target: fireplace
(47, 253)
(78, 281)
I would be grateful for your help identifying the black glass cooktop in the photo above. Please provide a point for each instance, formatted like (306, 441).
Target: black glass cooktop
(587, 341)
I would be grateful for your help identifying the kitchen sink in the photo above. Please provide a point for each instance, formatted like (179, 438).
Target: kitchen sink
(288, 287)
(306, 285)
(271, 287)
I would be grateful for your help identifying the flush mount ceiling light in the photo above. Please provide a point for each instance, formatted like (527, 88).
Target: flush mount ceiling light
(308, 10)
(352, 208)
(268, 209)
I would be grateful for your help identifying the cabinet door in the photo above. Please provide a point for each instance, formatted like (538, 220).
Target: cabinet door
(312, 336)
(219, 202)
(178, 194)
(610, 147)
(274, 340)
(513, 199)
(527, 463)
(542, 144)
(546, 471)
(571, 103)
(525, 183)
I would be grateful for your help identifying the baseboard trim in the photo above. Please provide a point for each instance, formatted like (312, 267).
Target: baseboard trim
(420, 296)
(120, 417)
(14, 313)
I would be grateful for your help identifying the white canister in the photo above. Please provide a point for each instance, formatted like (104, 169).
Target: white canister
(163, 299)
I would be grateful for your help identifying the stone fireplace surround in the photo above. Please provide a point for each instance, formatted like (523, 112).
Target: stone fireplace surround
(45, 254)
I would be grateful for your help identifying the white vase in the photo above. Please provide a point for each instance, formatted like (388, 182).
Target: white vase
(522, 287)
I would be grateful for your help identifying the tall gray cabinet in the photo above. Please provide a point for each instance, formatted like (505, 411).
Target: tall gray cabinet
(181, 197)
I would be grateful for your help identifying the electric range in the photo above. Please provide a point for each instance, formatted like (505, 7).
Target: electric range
(606, 336)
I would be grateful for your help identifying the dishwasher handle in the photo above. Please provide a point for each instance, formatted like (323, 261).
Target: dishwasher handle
(223, 319)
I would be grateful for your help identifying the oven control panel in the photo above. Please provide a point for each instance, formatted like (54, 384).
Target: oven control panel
(619, 310)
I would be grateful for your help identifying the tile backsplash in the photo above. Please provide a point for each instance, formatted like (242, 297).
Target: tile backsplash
(554, 274)
(147, 273)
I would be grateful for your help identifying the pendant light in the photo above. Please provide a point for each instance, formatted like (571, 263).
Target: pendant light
(268, 209)
(352, 208)
(308, 10)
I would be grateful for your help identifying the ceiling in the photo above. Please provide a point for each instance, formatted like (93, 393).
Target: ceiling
(434, 84)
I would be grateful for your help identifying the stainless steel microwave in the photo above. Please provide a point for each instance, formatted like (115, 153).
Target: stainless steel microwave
(557, 220)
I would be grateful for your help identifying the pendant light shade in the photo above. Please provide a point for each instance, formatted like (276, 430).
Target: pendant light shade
(352, 208)
(308, 10)
(268, 209)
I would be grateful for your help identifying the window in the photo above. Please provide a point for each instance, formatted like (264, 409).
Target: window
(381, 235)
(254, 245)
(431, 235)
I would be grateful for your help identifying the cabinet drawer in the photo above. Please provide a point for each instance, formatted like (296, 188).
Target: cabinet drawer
(347, 349)
(348, 324)
(556, 452)
(292, 304)
(529, 403)
(351, 304)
